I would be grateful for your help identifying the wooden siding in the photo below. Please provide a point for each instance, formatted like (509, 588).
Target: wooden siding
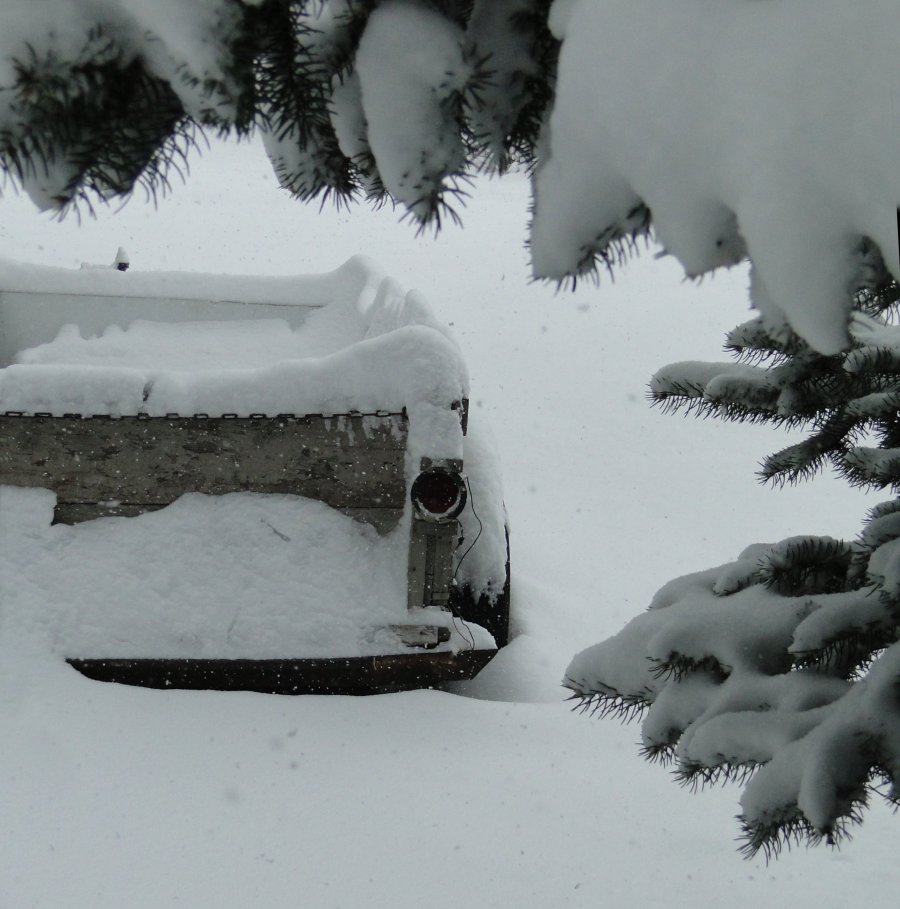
(102, 465)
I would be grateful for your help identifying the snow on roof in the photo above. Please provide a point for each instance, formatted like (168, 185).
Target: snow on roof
(346, 282)
(100, 341)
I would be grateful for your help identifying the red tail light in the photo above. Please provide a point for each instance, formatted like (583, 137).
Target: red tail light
(439, 494)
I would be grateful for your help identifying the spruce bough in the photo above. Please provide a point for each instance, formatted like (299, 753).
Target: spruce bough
(781, 670)
(116, 96)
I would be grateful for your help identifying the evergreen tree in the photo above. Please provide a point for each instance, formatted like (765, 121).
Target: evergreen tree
(782, 669)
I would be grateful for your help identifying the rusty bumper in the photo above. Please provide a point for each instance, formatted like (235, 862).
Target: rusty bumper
(351, 675)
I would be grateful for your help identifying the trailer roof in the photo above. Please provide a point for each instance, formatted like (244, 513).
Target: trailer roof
(347, 281)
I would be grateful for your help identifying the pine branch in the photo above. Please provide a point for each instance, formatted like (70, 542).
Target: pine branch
(512, 100)
(796, 463)
(695, 776)
(662, 753)
(107, 127)
(850, 654)
(872, 363)
(676, 667)
(609, 703)
(803, 566)
(293, 89)
(790, 827)
(805, 459)
(756, 340)
(873, 467)
(815, 690)
(878, 293)
(610, 249)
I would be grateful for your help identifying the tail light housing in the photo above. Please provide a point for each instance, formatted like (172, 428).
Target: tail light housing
(438, 494)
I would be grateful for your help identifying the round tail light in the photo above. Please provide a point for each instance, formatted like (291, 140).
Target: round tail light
(438, 494)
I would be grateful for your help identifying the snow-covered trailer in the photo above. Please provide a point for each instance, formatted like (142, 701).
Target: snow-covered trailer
(244, 483)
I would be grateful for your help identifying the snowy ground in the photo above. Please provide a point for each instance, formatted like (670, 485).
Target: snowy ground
(125, 797)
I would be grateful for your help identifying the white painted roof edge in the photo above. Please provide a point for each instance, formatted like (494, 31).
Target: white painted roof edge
(348, 282)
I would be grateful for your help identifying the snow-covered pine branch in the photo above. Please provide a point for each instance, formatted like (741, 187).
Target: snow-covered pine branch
(842, 400)
(775, 669)
(631, 114)
(781, 670)
(394, 99)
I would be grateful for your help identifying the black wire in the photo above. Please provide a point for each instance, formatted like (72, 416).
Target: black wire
(468, 635)
(477, 535)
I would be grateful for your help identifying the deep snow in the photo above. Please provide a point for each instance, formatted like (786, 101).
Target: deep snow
(160, 798)
(360, 343)
(265, 577)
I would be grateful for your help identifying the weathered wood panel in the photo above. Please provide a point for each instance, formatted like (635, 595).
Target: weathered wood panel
(128, 465)
(431, 548)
